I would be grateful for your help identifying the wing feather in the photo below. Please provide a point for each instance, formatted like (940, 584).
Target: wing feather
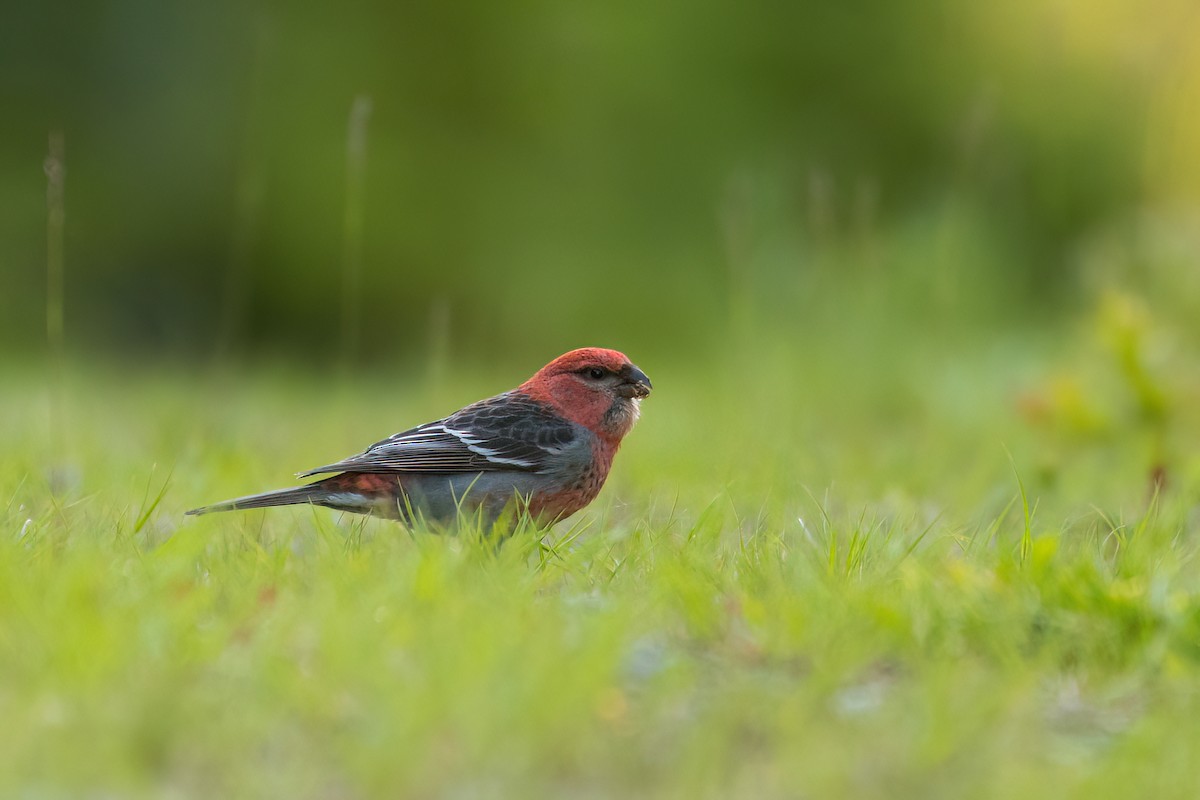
(506, 432)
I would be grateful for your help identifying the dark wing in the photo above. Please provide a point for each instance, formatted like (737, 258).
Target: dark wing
(506, 432)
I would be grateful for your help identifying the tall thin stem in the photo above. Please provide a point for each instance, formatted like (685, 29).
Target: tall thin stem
(356, 167)
(56, 170)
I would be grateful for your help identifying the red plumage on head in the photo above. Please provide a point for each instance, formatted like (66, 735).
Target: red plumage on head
(561, 385)
(584, 357)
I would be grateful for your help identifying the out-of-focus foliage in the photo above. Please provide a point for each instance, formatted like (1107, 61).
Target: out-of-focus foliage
(609, 172)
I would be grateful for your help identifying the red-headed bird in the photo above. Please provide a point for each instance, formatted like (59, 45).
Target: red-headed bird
(548, 445)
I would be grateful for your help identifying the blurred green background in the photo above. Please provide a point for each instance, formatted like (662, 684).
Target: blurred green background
(542, 175)
(912, 510)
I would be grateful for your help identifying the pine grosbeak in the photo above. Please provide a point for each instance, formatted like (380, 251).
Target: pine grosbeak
(548, 444)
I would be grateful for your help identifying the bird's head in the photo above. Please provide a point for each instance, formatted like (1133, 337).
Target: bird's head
(594, 387)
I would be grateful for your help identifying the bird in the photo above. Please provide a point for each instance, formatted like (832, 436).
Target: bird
(544, 448)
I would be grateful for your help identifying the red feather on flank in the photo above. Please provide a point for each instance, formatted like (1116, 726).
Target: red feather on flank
(549, 444)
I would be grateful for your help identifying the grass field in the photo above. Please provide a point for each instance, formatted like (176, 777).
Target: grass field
(845, 567)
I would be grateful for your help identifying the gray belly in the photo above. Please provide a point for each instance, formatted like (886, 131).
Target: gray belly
(442, 498)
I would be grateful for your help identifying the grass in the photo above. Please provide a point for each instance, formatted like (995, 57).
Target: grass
(816, 572)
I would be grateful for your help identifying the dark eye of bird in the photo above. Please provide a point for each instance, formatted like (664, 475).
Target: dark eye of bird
(595, 373)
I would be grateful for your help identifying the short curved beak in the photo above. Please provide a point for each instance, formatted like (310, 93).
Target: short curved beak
(636, 384)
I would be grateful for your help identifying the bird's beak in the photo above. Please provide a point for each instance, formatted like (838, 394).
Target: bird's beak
(636, 384)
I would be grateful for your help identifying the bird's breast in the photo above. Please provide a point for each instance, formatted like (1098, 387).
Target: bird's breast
(563, 501)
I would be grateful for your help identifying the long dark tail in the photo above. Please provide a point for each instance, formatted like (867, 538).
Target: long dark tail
(312, 493)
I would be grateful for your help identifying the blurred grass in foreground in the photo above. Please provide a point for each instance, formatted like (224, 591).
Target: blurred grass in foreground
(813, 572)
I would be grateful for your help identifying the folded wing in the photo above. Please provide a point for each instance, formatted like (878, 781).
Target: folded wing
(506, 432)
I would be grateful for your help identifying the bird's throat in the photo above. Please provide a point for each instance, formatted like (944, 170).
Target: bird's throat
(621, 417)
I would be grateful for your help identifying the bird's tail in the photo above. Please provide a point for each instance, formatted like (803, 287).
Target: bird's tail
(312, 493)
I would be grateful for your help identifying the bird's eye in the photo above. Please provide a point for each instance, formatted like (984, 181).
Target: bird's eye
(595, 373)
